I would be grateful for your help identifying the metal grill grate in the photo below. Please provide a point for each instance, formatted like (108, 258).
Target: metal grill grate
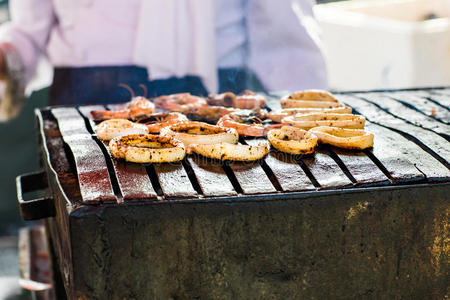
(411, 144)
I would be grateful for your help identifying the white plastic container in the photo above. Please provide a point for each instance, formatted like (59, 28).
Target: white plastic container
(376, 44)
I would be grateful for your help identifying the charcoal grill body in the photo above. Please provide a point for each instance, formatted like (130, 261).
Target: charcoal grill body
(367, 243)
(383, 239)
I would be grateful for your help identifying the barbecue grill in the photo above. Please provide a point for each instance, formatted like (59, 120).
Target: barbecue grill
(335, 224)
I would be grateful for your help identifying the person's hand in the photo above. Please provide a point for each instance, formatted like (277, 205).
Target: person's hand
(4, 48)
(2, 66)
(12, 78)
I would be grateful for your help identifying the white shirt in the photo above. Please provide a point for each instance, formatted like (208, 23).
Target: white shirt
(231, 33)
(276, 39)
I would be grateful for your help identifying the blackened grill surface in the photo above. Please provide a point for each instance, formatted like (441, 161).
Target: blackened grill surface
(428, 140)
(410, 115)
(132, 179)
(411, 145)
(93, 178)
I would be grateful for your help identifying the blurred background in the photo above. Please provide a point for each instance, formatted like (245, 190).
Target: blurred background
(368, 44)
(386, 44)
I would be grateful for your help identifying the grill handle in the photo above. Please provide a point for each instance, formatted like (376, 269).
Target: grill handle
(38, 208)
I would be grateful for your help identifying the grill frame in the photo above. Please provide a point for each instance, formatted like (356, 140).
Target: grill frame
(71, 219)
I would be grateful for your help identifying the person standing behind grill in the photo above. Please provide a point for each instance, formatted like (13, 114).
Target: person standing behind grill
(99, 46)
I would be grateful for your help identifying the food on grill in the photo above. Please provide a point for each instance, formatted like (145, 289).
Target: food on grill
(245, 100)
(135, 109)
(227, 151)
(289, 103)
(247, 122)
(182, 102)
(316, 95)
(209, 113)
(109, 129)
(308, 121)
(225, 99)
(278, 115)
(308, 109)
(147, 148)
(292, 140)
(249, 100)
(200, 133)
(344, 138)
(155, 122)
(310, 98)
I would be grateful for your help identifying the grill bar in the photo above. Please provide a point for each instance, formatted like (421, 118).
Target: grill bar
(409, 115)
(397, 157)
(262, 162)
(360, 166)
(423, 105)
(252, 178)
(397, 154)
(251, 175)
(326, 171)
(174, 181)
(442, 91)
(339, 162)
(427, 140)
(132, 179)
(389, 153)
(111, 169)
(151, 172)
(85, 111)
(92, 171)
(441, 99)
(211, 177)
(288, 172)
(53, 142)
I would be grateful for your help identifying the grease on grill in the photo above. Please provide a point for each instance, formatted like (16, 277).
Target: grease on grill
(252, 178)
(288, 172)
(211, 177)
(93, 177)
(174, 181)
(289, 175)
(133, 180)
(441, 99)
(409, 114)
(326, 170)
(423, 105)
(59, 159)
(397, 154)
(427, 140)
(361, 167)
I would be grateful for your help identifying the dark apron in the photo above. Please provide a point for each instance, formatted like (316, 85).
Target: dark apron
(105, 85)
